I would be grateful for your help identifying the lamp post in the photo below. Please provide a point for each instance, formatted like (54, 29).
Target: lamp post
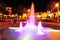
(57, 5)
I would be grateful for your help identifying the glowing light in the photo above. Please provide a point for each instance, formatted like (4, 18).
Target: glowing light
(7, 8)
(50, 15)
(5, 15)
(26, 37)
(12, 15)
(24, 14)
(1, 13)
(28, 10)
(14, 28)
(57, 4)
(51, 30)
(38, 16)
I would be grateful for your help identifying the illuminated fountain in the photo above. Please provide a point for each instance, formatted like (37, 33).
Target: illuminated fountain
(30, 29)
(30, 26)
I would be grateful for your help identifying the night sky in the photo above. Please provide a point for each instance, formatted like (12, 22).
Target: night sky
(40, 5)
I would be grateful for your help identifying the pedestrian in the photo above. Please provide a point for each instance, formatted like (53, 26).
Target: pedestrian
(15, 20)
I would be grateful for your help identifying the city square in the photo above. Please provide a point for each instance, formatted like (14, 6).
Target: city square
(26, 23)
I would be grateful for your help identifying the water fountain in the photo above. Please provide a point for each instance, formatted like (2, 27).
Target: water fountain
(31, 23)
(30, 30)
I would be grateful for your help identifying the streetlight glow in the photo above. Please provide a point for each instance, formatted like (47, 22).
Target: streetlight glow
(28, 10)
(57, 4)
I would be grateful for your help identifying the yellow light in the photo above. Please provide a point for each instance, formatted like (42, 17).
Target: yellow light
(59, 13)
(1, 13)
(12, 15)
(50, 15)
(24, 15)
(20, 16)
(28, 10)
(57, 4)
(38, 16)
(4, 15)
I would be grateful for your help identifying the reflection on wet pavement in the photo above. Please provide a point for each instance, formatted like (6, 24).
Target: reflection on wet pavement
(12, 35)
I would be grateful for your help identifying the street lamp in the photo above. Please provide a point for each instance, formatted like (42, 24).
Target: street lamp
(57, 5)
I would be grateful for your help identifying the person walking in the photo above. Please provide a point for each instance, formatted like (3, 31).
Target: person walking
(15, 20)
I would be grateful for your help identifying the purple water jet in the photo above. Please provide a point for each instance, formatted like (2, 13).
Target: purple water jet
(30, 26)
